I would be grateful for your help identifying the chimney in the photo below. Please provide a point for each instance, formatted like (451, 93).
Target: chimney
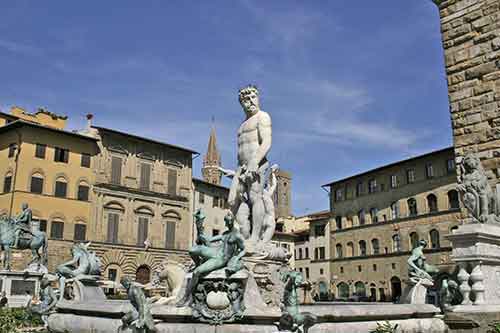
(89, 121)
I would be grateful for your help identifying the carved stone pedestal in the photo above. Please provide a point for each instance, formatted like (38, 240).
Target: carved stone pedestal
(476, 250)
(19, 287)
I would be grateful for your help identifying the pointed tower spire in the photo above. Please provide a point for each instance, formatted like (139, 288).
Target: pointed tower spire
(212, 160)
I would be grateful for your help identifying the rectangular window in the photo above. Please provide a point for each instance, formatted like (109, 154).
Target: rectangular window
(321, 252)
(80, 232)
(56, 230)
(307, 272)
(36, 185)
(61, 188)
(12, 150)
(394, 181)
(113, 220)
(338, 222)
(410, 176)
(201, 198)
(83, 193)
(450, 165)
(145, 176)
(307, 252)
(7, 184)
(40, 150)
(359, 189)
(85, 162)
(170, 235)
(116, 170)
(319, 230)
(61, 155)
(429, 171)
(142, 231)
(300, 253)
(215, 232)
(172, 181)
(42, 225)
(372, 186)
(215, 202)
(339, 194)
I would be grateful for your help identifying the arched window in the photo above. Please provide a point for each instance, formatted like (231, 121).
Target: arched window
(338, 248)
(83, 191)
(57, 229)
(61, 187)
(395, 288)
(350, 249)
(142, 275)
(171, 220)
(343, 290)
(453, 202)
(373, 214)
(432, 203)
(362, 248)
(395, 210)
(323, 291)
(36, 184)
(375, 246)
(396, 243)
(434, 236)
(360, 289)
(412, 207)
(361, 217)
(413, 240)
(7, 182)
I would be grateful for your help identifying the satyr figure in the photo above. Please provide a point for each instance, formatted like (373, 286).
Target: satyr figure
(84, 264)
(292, 319)
(417, 267)
(140, 317)
(246, 195)
(48, 300)
(449, 294)
(478, 197)
(208, 258)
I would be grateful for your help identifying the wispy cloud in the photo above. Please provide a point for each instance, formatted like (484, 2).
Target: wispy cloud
(20, 48)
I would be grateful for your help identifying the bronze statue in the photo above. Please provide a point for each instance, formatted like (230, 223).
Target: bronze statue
(417, 267)
(140, 318)
(208, 258)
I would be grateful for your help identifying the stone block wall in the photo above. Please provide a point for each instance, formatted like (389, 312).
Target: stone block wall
(471, 42)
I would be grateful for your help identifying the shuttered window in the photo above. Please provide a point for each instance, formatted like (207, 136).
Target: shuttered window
(7, 184)
(40, 150)
(80, 232)
(113, 220)
(61, 189)
(145, 176)
(142, 232)
(83, 193)
(85, 162)
(170, 235)
(172, 181)
(116, 170)
(56, 230)
(61, 155)
(36, 185)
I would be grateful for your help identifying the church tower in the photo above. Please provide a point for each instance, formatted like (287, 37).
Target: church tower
(211, 161)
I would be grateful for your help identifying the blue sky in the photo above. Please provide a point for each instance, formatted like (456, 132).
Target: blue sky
(350, 85)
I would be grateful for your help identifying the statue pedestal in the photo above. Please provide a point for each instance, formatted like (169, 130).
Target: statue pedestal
(20, 287)
(476, 250)
(416, 292)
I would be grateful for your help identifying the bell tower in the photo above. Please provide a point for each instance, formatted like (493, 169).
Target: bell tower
(211, 161)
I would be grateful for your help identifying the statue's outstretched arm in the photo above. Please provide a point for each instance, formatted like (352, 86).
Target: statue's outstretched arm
(215, 238)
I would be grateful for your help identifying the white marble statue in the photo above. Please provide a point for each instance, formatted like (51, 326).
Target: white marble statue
(247, 192)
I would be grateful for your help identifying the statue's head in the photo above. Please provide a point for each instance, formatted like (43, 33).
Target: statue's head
(24, 206)
(199, 216)
(249, 100)
(125, 281)
(422, 243)
(471, 162)
(229, 220)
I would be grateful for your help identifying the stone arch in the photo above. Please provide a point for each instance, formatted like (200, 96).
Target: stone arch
(57, 216)
(114, 205)
(170, 213)
(80, 219)
(144, 210)
(116, 257)
(143, 259)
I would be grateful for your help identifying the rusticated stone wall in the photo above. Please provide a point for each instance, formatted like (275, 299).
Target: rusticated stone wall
(471, 41)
